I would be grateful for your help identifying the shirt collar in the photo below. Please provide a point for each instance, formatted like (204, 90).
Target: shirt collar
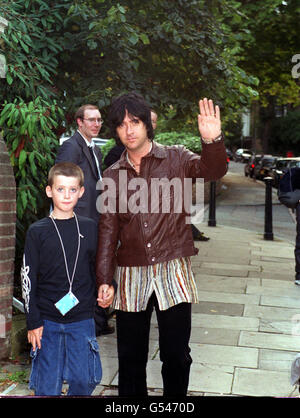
(88, 143)
(156, 150)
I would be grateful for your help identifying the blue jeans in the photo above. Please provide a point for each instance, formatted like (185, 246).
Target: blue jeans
(69, 352)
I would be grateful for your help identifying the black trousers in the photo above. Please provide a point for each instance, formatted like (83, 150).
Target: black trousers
(133, 343)
(297, 246)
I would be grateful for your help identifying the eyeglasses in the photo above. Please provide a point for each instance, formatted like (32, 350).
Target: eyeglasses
(94, 120)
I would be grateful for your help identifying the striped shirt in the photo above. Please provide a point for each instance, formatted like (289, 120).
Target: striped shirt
(172, 281)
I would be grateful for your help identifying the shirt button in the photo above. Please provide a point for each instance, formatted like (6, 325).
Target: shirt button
(153, 259)
(149, 244)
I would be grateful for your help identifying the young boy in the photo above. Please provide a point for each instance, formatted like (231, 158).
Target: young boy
(58, 285)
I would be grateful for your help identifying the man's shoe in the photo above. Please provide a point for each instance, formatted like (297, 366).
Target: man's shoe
(109, 329)
(200, 237)
(297, 282)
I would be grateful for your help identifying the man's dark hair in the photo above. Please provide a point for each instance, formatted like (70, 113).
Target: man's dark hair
(135, 105)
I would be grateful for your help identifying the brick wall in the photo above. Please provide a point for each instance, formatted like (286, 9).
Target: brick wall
(7, 247)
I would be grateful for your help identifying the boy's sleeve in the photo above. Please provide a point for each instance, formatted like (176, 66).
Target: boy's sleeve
(29, 278)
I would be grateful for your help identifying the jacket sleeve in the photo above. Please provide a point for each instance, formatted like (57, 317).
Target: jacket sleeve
(107, 248)
(29, 279)
(108, 230)
(211, 165)
(67, 152)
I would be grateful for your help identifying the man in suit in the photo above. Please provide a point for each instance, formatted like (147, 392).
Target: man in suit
(81, 150)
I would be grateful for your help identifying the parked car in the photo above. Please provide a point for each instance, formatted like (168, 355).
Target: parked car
(250, 165)
(243, 155)
(257, 172)
(264, 166)
(98, 141)
(281, 166)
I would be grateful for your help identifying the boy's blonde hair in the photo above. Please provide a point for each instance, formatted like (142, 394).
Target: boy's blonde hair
(66, 169)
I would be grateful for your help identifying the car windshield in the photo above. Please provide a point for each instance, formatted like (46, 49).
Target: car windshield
(268, 162)
(282, 164)
(295, 164)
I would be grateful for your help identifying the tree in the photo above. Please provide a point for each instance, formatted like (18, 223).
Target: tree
(171, 53)
(266, 39)
(30, 115)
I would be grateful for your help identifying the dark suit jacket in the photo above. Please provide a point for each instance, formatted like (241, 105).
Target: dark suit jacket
(113, 155)
(76, 151)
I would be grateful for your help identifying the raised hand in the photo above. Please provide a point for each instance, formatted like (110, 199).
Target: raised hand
(209, 121)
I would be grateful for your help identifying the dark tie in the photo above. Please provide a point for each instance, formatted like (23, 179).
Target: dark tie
(93, 159)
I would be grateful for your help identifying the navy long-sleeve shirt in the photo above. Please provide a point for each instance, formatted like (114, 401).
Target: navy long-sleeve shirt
(44, 277)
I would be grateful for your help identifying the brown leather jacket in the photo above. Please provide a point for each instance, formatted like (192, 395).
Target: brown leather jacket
(145, 238)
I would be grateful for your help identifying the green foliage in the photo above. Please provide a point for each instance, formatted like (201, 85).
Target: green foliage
(31, 44)
(29, 113)
(32, 144)
(264, 40)
(105, 150)
(173, 54)
(286, 133)
(190, 141)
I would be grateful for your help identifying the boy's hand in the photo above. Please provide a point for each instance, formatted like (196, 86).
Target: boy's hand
(34, 337)
(105, 295)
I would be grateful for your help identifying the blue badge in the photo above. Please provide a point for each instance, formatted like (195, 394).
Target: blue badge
(66, 303)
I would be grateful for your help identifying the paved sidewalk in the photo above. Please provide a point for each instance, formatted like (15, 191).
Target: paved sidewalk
(242, 338)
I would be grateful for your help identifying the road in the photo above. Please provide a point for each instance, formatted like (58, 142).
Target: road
(242, 204)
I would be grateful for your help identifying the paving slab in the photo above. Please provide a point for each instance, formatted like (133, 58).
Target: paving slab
(225, 322)
(216, 379)
(276, 359)
(226, 266)
(109, 369)
(278, 327)
(257, 382)
(288, 276)
(218, 308)
(283, 291)
(224, 259)
(287, 302)
(268, 340)
(225, 297)
(285, 267)
(223, 354)
(220, 336)
(216, 283)
(282, 284)
(270, 312)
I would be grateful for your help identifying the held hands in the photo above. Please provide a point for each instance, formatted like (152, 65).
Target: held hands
(105, 295)
(209, 122)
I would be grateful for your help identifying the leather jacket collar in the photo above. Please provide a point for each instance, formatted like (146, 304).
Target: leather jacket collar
(157, 151)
